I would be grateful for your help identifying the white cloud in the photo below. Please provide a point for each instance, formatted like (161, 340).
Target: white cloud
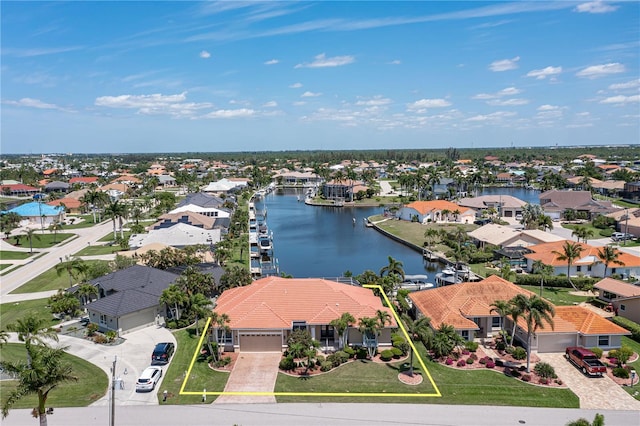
(595, 7)
(35, 103)
(270, 104)
(602, 70)
(299, 103)
(621, 99)
(508, 91)
(544, 73)
(422, 104)
(155, 104)
(272, 62)
(321, 61)
(205, 55)
(548, 107)
(494, 116)
(310, 95)
(504, 64)
(231, 113)
(508, 102)
(395, 62)
(623, 86)
(376, 101)
(296, 86)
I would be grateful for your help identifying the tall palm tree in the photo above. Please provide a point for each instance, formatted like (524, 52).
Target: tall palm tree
(89, 199)
(86, 292)
(342, 325)
(199, 305)
(369, 327)
(502, 308)
(395, 267)
(219, 325)
(116, 211)
(174, 298)
(31, 330)
(47, 371)
(536, 312)
(55, 227)
(570, 252)
(539, 267)
(72, 266)
(30, 233)
(609, 255)
(419, 329)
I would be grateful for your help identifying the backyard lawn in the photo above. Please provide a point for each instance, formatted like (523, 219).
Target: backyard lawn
(413, 231)
(10, 312)
(478, 387)
(635, 390)
(202, 377)
(557, 295)
(91, 385)
(50, 280)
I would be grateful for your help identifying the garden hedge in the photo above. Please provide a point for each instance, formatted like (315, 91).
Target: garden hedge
(632, 326)
(556, 281)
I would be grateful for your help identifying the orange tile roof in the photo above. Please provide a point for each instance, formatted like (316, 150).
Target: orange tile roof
(70, 203)
(49, 172)
(578, 319)
(275, 302)
(588, 256)
(86, 179)
(620, 288)
(455, 304)
(426, 206)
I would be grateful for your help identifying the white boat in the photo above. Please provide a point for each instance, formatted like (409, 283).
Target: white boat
(448, 276)
(415, 283)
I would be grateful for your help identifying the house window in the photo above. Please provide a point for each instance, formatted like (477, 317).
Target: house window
(578, 268)
(299, 325)
(603, 340)
(465, 334)
(613, 270)
(495, 322)
(228, 337)
(589, 268)
(622, 307)
(103, 319)
(327, 332)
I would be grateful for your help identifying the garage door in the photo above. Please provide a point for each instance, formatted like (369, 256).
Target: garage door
(261, 342)
(555, 342)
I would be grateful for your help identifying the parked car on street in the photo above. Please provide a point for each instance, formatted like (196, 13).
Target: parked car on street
(621, 236)
(148, 379)
(585, 360)
(162, 353)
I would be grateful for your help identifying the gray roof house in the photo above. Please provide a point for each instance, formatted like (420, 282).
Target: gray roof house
(203, 200)
(129, 298)
(56, 186)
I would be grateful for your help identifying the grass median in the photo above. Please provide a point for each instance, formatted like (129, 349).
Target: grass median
(50, 280)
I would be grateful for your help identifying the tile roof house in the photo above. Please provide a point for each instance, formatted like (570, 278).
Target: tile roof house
(505, 236)
(84, 180)
(588, 264)
(467, 306)
(71, 205)
(432, 211)
(555, 203)
(264, 313)
(19, 189)
(179, 235)
(505, 205)
(624, 297)
(129, 298)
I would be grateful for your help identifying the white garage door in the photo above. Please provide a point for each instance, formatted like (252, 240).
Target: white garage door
(555, 342)
(261, 342)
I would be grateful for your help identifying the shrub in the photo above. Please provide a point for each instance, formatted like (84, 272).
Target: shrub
(612, 354)
(361, 353)
(471, 346)
(320, 359)
(397, 353)
(597, 352)
(515, 373)
(92, 328)
(526, 378)
(555, 281)
(621, 372)
(172, 325)
(287, 363)
(624, 353)
(469, 361)
(404, 347)
(483, 360)
(490, 364)
(349, 351)
(342, 356)
(100, 339)
(224, 361)
(545, 370)
(558, 382)
(465, 352)
(111, 335)
(449, 361)
(633, 327)
(473, 356)
(519, 353)
(461, 363)
(326, 366)
(501, 345)
(543, 381)
(386, 355)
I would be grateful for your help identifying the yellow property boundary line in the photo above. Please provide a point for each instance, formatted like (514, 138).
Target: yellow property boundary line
(329, 394)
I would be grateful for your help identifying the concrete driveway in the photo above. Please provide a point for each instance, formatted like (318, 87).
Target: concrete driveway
(252, 372)
(594, 392)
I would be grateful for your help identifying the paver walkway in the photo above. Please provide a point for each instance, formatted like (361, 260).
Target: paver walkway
(252, 372)
(594, 392)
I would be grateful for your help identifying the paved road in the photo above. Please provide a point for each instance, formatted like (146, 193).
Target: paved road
(318, 414)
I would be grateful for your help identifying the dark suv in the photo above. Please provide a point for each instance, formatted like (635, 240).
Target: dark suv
(162, 353)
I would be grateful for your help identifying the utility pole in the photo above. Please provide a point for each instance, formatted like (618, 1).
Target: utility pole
(112, 413)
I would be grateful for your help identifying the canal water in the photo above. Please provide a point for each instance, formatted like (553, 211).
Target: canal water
(312, 241)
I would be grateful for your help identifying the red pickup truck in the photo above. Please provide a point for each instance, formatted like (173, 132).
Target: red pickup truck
(585, 360)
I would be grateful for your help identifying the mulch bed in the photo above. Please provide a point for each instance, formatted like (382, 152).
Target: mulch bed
(227, 368)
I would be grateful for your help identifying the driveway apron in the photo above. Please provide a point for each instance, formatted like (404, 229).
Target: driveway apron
(252, 372)
(598, 393)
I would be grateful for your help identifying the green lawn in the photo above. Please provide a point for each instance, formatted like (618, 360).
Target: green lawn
(86, 223)
(471, 387)
(15, 255)
(202, 377)
(10, 312)
(42, 240)
(596, 231)
(626, 341)
(557, 295)
(5, 266)
(96, 250)
(49, 280)
(92, 383)
(109, 236)
(413, 231)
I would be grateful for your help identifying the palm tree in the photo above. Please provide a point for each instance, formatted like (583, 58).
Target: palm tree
(369, 328)
(116, 211)
(342, 325)
(90, 198)
(536, 312)
(544, 270)
(199, 305)
(86, 291)
(609, 255)
(502, 308)
(219, 326)
(582, 232)
(55, 227)
(174, 298)
(72, 266)
(395, 267)
(31, 330)
(570, 252)
(445, 340)
(30, 233)
(419, 329)
(47, 371)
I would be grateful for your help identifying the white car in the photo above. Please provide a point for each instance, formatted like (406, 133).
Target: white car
(148, 379)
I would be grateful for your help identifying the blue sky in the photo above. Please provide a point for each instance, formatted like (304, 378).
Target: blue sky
(236, 76)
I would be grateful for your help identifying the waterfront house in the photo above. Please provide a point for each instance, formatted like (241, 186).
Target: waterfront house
(436, 211)
(190, 218)
(506, 236)
(83, 180)
(179, 235)
(500, 205)
(624, 297)
(264, 313)
(341, 190)
(202, 199)
(205, 211)
(18, 189)
(555, 203)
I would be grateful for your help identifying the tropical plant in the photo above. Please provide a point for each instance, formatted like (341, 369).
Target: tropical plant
(219, 326)
(30, 233)
(235, 276)
(44, 373)
(31, 330)
(536, 312)
(55, 227)
(342, 325)
(369, 327)
(116, 211)
(395, 267)
(64, 303)
(199, 307)
(86, 291)
(502, 308)
(570, 252)
(73, 266)
(419, 329)
(539, 267)
(609, 255)
(445, 340)
(174, 298)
